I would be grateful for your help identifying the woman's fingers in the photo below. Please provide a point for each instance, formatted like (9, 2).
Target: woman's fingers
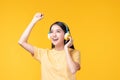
(37, 17)
(70, 42)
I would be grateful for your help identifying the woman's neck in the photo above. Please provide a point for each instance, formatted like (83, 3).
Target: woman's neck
(59, 48)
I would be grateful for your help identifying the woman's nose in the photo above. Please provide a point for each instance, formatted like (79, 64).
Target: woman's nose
(54, 34)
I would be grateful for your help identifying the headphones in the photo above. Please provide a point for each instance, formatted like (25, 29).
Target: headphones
(66, 36)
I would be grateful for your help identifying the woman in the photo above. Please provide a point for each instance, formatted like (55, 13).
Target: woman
(62, 61)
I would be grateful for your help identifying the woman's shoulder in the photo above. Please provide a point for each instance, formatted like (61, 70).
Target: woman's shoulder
(42, 49)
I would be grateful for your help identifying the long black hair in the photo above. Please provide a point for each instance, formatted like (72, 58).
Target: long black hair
(65, 28)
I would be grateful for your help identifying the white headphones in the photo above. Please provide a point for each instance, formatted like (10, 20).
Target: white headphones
(66, 36)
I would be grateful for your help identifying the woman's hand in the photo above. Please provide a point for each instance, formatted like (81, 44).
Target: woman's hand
(37, 17)
(69, 44)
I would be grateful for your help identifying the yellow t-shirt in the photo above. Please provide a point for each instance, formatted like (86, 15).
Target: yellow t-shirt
(54, 63)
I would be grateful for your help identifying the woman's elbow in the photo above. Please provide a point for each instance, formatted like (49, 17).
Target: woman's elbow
(78, 67)
(75, 70)
(19, 42)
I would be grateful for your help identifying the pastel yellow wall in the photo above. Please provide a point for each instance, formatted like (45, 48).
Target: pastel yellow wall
(94, 24)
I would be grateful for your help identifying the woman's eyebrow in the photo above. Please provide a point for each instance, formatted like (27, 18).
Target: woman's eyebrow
(59, 29)
(56, 30)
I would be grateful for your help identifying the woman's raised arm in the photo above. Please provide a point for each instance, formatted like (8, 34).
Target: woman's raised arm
(24, 37)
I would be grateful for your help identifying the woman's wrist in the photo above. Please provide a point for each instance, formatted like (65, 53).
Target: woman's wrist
(33, 22)
(66, 49)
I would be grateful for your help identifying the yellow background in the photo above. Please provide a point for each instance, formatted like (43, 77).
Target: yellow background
(94, 24)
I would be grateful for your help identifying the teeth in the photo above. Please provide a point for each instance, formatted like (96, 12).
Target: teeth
(55, 39)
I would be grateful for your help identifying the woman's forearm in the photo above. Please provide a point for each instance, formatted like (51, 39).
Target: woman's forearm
(26, 33)
(72, 65)
(24, 38)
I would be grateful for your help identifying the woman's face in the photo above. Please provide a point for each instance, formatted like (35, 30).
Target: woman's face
(57, 35)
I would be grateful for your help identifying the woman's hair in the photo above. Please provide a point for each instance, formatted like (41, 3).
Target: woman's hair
(65, 28)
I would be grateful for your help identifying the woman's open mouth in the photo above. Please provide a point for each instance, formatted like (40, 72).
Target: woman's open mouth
(55, 39)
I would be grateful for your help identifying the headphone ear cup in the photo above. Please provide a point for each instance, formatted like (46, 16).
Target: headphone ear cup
(49, 36)
(66, 36)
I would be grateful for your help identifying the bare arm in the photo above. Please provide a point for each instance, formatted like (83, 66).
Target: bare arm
(72, 65)
(24, 38)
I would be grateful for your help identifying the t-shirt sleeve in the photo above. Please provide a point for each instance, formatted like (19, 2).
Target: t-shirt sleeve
(76, 56)
(38, 53)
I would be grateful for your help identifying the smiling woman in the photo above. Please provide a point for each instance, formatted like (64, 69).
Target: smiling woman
(65, 63)
(57, 36)
(62, 30)
(94, 25)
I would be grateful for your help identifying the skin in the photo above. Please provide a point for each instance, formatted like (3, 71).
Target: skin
(57, 38)
(57, 34)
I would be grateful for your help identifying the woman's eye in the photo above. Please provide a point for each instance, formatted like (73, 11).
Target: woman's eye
(58, 31)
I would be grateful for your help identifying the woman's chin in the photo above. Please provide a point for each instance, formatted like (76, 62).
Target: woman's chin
(55, 44)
